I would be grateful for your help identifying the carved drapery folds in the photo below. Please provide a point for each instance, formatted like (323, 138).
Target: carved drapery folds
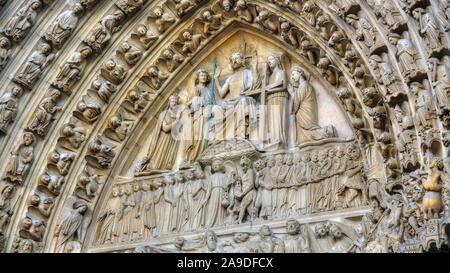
(235, 191)
(386, 68)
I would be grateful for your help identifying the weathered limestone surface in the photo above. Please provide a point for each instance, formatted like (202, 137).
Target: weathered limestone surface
(224, 126)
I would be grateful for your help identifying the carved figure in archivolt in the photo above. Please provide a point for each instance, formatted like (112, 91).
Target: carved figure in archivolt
(6, 212)
(19, 25)
(89, 109)
(130, 6)
(8, 107)
(184, 6)
(189, 42)
(35, 65)
(162, 19)
(145, 36)
(21, 159)
(131, 54)
(102, 32)
(71, 71)
(45, 113)
(71, 228)
(407, 55)
(64, 25)
(429, 29)
(5, 51)
(432, 200)
(102, 152)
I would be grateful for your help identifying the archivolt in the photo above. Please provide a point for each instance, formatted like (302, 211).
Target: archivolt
(347, 78)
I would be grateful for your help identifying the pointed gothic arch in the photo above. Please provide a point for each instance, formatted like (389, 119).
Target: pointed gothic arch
(361, 93)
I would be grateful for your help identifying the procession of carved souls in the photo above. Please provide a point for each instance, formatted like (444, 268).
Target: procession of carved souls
(224, 126)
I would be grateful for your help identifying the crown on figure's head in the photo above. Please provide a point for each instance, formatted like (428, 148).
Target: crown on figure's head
(297, 69)
(201, 69)
(238, 49)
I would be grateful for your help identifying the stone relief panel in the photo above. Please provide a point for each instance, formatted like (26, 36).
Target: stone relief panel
(291, 236)
(230, 191)
(272, 111)
(260, 94)
(304, 166)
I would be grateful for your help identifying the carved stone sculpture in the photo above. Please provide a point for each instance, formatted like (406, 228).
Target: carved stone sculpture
(21, 159)
(90, 109)
(211, 22)
(131, 53)
(34, 66)
(146, 36)
(45, 113)
(21, 23)
(8, 107)
(161, 153)
(64, 25)
(157, 77)
(429, 30)
(184, 6)
(162, 19)
(114, 71)
(90, 182)
(268, 242)
(189, 42)
(296, 241)
(239, 107)
(304, 106)
(432, 200)
(102, 151)
(6, 212)
(72, 70)
(216, 199)
(102, 32)
(406, 54)
(5, 51)
(130, 6)
(71, 227)
(53, 182)
(171, 59)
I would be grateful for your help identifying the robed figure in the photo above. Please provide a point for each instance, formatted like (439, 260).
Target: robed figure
(111, 219)
(239, 109)
(277, 100)
(163, 144)
(148, 208)
(199, 108)
(72, 225)
(64, 24)
(304, 108)
(21, 159)
(216, 200)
